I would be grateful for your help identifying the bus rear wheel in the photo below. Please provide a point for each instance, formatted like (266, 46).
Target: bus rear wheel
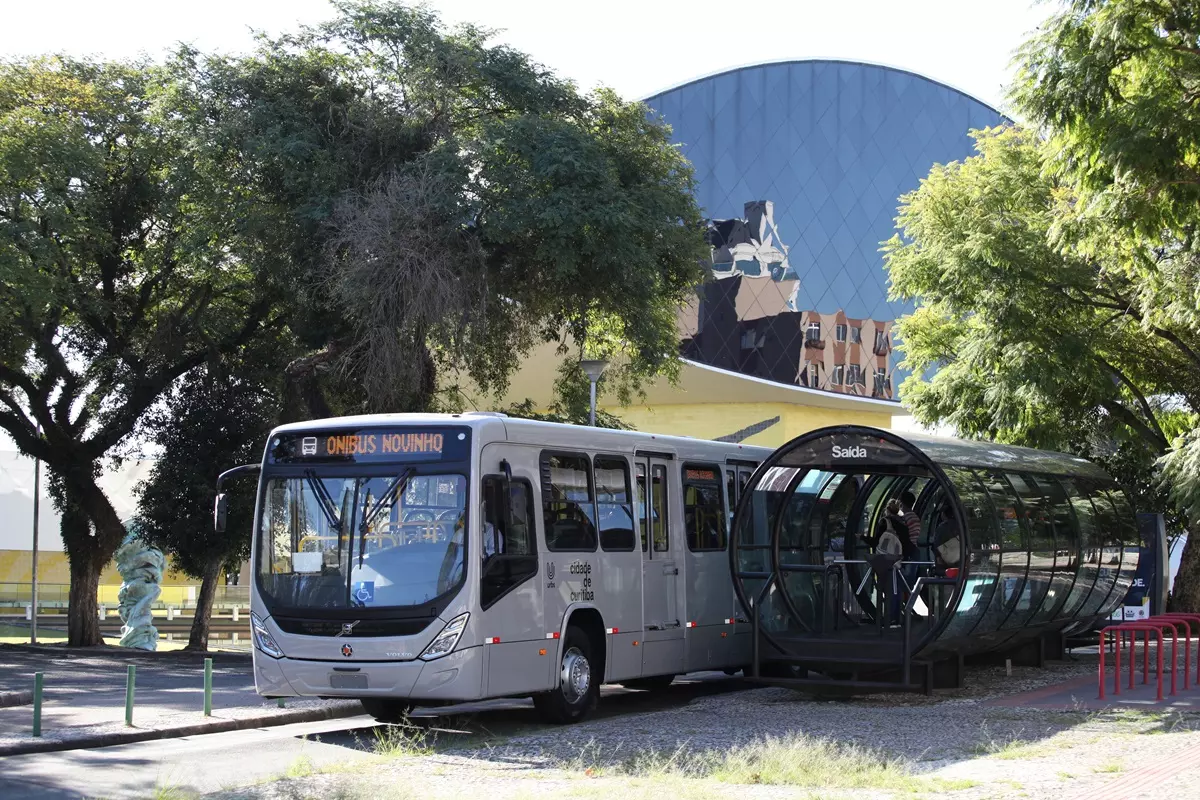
(652, 683)
(578, 688)
(386, 710)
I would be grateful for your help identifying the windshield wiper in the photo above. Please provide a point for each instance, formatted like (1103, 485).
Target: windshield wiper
(324, 500)
(369, 516)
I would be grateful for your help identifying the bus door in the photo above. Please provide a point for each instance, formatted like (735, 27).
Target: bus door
(709, 586)
(662, 651)
(510, 590)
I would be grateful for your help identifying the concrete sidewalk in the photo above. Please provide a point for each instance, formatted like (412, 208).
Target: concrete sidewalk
(84, 697)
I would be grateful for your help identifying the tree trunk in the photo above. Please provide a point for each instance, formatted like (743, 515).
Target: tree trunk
(91, 533)
(1185, 596)
(198, 639)
(83, 610)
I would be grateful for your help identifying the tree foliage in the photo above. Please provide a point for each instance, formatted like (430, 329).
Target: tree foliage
(468, 205)
(209, 423)
(391, 199)
(1057, 270)
(123, 265)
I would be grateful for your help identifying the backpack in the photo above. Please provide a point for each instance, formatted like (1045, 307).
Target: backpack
(889, 544)
(950, 552)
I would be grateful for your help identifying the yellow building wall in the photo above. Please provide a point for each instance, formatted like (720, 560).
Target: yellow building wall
(54, 574)
(714, 420)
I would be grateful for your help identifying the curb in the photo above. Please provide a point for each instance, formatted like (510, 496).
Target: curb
(217, 726)
(8, 699)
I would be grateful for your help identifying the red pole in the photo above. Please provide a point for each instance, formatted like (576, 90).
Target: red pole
(1103, 647)
(1145, 660)
(1160, 666)
(1117, 642)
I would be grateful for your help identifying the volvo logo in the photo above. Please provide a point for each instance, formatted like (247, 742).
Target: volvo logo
(347, 628)
(347, 650)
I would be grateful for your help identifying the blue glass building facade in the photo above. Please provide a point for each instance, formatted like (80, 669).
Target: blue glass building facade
(800, 166)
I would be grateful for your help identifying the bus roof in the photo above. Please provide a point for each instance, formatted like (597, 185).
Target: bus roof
(516, 429)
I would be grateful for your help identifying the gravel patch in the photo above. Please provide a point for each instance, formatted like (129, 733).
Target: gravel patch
(954, 736)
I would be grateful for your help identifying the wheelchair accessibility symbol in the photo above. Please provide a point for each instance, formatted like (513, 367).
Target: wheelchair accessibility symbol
(364, 592)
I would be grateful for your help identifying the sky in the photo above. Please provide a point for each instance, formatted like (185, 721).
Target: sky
(634, 47)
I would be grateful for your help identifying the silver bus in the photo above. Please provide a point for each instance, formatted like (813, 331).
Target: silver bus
(431, 559)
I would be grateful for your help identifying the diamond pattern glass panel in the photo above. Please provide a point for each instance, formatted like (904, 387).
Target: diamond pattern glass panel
(800, 166)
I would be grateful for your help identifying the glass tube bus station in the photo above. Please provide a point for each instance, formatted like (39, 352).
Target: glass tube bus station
(1046, 544)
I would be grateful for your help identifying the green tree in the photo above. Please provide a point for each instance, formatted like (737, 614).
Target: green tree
(1116, 86)
(209, 423)
(456, 204)
(1031, 341)
(397, 200)
(123, 265)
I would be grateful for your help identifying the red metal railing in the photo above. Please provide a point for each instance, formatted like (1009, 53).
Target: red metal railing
(1193, 621)
(1118, 632)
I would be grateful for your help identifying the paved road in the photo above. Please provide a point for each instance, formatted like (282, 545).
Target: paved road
(228, 760)
(88, 688)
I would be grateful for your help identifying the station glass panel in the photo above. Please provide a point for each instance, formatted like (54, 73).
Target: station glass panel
(1127, 532)
(982, 551)
(1067, 546)
(1036, 512)
(800, 545)
(1013, 596)
(753, 542)
(1091, 537)
(1110, 553)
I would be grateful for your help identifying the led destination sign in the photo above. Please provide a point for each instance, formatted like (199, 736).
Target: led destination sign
(371, 445)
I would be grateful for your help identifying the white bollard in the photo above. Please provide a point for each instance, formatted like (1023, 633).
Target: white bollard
(235, 613)
(28, 613)
(235, 637)
(170, 613)
(170, 637)
(103, 612)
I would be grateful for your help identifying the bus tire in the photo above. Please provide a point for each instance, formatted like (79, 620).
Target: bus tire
(386, 710)
(578, 688)
(652, 683)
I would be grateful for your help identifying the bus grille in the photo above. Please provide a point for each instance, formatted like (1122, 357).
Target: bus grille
(366, 627)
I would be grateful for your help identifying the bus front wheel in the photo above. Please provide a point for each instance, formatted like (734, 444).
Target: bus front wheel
(386, 710)
(578, 688)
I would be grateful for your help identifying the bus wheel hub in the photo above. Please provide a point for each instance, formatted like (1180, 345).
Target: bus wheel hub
(576, 674)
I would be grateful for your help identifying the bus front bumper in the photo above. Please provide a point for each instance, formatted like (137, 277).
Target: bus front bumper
(458, 677)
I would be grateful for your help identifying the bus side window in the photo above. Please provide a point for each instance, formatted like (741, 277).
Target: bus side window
(658, 510)
(567, 503)
(703, 508)
(614, 514)
(643, 510)
(509, 555)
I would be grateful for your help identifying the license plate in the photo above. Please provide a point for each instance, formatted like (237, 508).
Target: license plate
(339, 680)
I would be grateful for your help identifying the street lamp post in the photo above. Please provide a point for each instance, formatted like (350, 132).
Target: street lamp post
(593, 369)
(37, 494)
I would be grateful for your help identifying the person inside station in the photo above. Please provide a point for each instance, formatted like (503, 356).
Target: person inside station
(946, 544)
(892, 546)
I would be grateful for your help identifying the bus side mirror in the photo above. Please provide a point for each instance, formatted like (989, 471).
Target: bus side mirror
(220, 513)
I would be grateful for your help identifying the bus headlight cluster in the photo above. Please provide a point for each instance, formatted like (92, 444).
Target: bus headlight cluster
(262, 637)
(443, 644)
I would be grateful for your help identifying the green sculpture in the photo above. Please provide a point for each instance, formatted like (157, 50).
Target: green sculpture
(141, 567)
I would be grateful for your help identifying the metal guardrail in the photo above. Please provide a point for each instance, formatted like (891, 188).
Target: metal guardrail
(55, 595)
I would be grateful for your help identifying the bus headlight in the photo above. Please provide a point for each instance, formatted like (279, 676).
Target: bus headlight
(444, 642)
(262, 637)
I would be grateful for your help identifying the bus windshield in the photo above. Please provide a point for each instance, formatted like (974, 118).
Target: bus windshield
(354, 542)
